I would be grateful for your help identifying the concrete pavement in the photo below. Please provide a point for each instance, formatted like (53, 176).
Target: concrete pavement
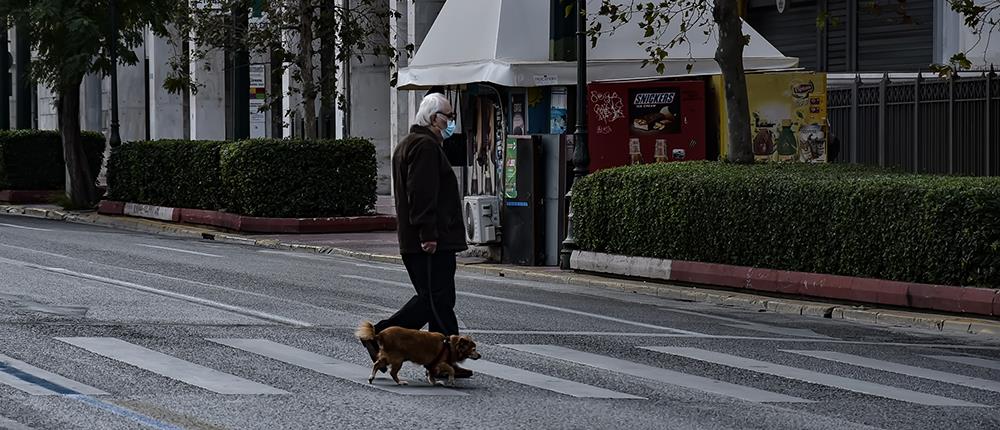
(135, 315)
(381, 247)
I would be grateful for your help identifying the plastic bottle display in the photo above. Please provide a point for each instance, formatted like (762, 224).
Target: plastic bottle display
(787, 143)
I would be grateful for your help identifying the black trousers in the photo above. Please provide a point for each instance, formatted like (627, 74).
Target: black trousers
(433, 276)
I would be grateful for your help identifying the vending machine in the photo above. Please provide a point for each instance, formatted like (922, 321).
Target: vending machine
(640, 122)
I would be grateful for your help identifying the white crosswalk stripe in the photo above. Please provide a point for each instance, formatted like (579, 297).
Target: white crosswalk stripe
(919, 372)
(170, 367)
(545, 382)
(331, 366)
(38, 382)
(972, 361)
(657, 374)
(811, 376)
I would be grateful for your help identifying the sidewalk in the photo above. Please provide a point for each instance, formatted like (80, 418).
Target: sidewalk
(382, 247)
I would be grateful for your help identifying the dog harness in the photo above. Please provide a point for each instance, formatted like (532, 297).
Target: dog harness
(442, 356)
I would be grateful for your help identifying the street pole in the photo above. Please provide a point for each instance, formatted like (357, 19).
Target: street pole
(114, 139)
(581, 154)
(240, 75)
(22, 91)
(4, 77)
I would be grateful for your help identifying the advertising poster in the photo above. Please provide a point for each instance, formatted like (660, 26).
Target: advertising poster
(510, 176)
(258, 95)
(557, 116)
(788, 116)
(518, 113)
(655, 111)
(645, 122)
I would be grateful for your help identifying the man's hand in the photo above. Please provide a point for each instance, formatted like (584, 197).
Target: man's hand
(429, 247)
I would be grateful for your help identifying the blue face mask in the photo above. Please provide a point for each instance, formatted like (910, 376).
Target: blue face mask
(450, 130)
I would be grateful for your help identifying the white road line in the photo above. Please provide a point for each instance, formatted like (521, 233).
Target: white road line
(726, 337)
(887, 366)
(220, 287)
(373, 266)
(749, 325)
(329, 258)
(180, 250)
(545, 382)
(811, 377)
(19, 375)
(9, 424)
(198, 300)
(24, 227)
(972, 361)
(170, 367)
(536, 305)
(657, 374)
(331, 367)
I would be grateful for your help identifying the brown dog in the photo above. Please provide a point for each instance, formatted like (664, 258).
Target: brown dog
(434, 351)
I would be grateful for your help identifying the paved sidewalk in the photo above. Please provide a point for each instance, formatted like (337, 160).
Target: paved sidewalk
(382, 247)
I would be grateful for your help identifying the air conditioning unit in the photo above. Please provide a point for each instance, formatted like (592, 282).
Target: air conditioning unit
(482, 216)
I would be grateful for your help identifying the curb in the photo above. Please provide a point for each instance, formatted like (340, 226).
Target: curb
(29, 196)
(946, 298)
(249, 224)
(946, 324)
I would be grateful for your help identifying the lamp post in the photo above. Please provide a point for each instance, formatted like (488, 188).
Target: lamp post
(115, 138)
(581, 154)
(4, 77)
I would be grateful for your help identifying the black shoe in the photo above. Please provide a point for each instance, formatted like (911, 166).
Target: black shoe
(373, 349)
(460, 373)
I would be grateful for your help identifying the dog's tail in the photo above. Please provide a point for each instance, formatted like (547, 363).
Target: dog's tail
(365, 331)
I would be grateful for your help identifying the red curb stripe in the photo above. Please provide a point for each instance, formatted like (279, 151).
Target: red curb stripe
(29, 196)
(109, 207)
(969, 300)
(250, 224)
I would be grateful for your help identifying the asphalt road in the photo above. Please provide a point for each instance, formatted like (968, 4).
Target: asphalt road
(105, 329)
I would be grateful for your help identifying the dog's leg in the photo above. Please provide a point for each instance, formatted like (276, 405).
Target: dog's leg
(450, 371)
(375, 368)
(394, 372)
(430, 375)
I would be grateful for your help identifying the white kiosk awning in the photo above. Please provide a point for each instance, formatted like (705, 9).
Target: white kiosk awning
(506, 42)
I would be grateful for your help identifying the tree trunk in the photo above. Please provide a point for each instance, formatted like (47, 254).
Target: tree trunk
(80, 180)
(277, 110)
(729, 55)
(306, 68)
(328, 70)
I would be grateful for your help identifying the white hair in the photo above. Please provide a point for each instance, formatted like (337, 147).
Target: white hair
(430, 106)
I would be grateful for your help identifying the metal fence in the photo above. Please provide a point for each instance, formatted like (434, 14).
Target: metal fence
(925, 125)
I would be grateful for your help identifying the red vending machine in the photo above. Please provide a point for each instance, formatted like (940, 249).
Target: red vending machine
(645, 122)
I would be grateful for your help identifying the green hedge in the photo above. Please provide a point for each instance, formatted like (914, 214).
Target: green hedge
(167, 173)
(33, 159)
(293, 178)
(835, 219)
(260, 177)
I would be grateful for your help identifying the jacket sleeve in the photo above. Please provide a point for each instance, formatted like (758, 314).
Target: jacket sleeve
(422, 187)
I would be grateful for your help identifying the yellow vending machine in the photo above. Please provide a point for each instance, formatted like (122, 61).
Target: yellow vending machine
(787, 116)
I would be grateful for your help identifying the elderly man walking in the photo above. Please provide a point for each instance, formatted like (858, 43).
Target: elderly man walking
(431, 227)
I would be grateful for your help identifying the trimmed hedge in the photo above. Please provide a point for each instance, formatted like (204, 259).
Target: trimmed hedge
(260, 177)
(294, 178)
(33, 159)
(835, 219)
(175, 173)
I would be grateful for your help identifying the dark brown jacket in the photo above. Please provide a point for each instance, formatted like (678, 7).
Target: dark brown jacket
(428, 206)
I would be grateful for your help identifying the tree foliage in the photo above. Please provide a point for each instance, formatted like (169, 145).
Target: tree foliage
(669, 24)
(296, 31)
(72, 39)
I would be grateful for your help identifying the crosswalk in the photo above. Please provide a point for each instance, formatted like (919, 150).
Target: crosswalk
(674, 372)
